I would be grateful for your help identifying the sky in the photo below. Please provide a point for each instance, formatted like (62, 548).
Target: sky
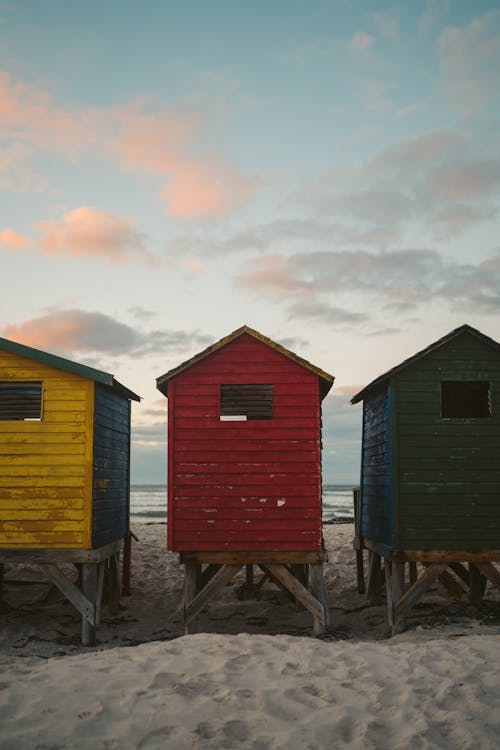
(324, 171)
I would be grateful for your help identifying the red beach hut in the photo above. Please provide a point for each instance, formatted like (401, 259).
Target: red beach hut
(244, 458)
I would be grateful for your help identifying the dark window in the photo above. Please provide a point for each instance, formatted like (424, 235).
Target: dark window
(246, 401)
(20, 400)
(465, 399)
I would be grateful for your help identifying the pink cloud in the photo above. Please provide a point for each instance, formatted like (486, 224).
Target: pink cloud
(13, 241)
(192, 268)
(86, 232)
(207, 188)
(161, 144)
(272, 272)
(28, 114)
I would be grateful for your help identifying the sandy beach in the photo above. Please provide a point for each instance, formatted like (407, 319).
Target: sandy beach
(253, 677)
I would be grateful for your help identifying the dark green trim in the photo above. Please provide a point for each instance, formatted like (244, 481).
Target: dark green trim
(60, 363)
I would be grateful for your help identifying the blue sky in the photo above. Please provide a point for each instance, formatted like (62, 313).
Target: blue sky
(327, 172)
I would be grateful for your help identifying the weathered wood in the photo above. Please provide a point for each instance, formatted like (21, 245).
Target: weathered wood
(315, 607)
(89, 583)
(191, 583)
(99, 590)
(412, 574)
(194, 604)
(477, 584)
(388, 591)
(208, 573)
(415, 592)
(70, 555)
(318, 590)
(452, 585)
(446, 555)
(255, 557)
(461, 571)
(374, 577)
(126, 564)
(79, 600)
(491, 573)
(249, 576)
(360, 572)
(1, 580)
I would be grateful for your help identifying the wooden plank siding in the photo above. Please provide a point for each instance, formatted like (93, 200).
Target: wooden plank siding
(45, 466)
(111, 461)
(448, 469)
(251, 485)
(376, 521)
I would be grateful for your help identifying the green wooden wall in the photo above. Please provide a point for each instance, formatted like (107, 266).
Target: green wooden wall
(447, 478)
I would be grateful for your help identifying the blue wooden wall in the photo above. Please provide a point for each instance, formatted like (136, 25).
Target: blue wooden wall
(111, 482)
(376, 470)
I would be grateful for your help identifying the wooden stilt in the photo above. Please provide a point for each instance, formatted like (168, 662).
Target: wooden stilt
(491, 573)
(195, 601)
(374, 577)
(360, 572)
(89, 585)
(414, 593)
(191, 581)
(398, 586)
(127, 564)
(413, 575)
(452, 585)
(477, 584)
(249, 577)
(1, 580)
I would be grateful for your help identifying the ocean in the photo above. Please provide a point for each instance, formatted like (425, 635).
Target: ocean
(148, 502)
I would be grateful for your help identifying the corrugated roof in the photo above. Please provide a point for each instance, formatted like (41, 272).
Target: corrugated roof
(60, 363)
(326, 380)
(419, 355)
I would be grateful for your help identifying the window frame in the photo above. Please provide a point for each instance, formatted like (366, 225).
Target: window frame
(449, 401)
(20, 384)
(264, 392)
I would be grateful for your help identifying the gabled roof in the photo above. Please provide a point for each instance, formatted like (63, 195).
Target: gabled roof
(428, 350)
(60, 363)
(326, 380)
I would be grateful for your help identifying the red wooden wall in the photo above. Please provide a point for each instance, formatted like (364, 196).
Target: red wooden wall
(252, 485)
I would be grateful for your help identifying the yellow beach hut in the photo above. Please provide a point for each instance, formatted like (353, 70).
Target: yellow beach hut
(64, 470)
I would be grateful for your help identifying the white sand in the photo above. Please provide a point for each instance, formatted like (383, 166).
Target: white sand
(241, 683)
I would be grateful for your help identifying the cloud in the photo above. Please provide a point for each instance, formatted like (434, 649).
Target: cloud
(360, 42)
(75, 331)
(166, 142)
(468, 59)
(86, 232)
(13, 241)
(436, 174)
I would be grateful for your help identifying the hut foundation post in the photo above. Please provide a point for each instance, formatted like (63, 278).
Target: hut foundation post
(413, 575)
(1, 581)
(374, 577)
(477, 584)
(318, 590)
(192, 572)
(89, 586)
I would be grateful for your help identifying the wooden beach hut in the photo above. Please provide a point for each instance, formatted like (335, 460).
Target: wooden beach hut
(430, 471)
(64, 471)
(244, 469)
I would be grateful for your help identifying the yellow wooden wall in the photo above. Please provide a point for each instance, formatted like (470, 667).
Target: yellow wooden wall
(46, 467)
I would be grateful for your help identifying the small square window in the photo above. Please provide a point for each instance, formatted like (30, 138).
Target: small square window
(20, 400)
(246, 402)
(465, 399)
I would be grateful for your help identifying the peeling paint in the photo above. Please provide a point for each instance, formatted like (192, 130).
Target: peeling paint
(281, 502)
(262, 499)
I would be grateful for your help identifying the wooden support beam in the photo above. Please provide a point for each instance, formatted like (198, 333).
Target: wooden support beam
(413, 575)
(319, 591)
(461, 571)
(315, 607)
(452, 585)
(374, 577)
(249, 576)
(208, 573)
(79, 600)
(1, 580)
(194, 604)
(360, 572)
(99, 590)
(491, 573)
(255, 558)
(477, 584)
(414, 593)
(114, 582)
(89, 584)
(191, 587)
